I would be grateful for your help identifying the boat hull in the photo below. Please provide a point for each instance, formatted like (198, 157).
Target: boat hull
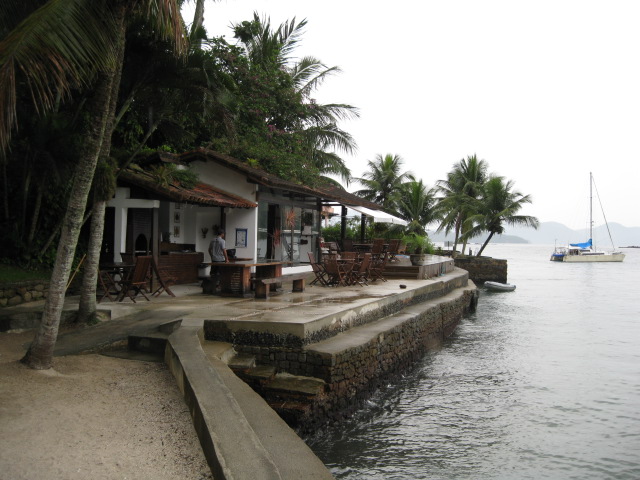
(499, 287)
(595, 257)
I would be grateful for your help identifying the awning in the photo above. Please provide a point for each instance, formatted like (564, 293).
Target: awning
(378, 216)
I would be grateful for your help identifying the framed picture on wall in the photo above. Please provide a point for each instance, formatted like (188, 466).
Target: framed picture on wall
(176, 217)
(176, 230)
(241, 237)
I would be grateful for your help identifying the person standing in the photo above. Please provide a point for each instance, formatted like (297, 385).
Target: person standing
(218, 254)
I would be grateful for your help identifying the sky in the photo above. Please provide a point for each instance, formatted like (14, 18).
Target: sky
(544, 91)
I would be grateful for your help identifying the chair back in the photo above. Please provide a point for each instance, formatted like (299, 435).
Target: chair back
(347, 245)
(349, 255)
(366, 262)
(394, 244)
(127, 258)
(376, 248)
(140, 273)
(312, 258)
(331, 266)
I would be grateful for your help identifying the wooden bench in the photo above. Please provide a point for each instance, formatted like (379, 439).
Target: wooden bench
(263, 285)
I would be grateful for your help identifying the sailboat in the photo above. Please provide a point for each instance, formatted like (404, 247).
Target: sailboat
(585, 251)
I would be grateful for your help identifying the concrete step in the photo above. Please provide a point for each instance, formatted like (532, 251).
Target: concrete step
(150, 342)
(242, 362)
(221, 350)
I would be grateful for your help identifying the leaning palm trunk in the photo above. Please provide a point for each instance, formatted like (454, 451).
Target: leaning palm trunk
(40, 353)
(486, 242)
(87, 306)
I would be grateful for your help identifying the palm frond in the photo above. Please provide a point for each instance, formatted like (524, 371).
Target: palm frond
(56, 48)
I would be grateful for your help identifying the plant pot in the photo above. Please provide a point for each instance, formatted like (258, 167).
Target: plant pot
(418, 258)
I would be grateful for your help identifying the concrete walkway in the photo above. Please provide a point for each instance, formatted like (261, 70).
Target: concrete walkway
(242, 437)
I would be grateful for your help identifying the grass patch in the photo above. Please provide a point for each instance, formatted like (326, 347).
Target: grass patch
(12, 274)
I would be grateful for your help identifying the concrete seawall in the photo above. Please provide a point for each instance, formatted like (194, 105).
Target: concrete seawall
(484, 269)
(340, 349)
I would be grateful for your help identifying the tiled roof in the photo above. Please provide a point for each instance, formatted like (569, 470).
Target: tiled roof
(326, 193)
(201, 193)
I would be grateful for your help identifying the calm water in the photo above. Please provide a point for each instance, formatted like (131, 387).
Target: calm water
(543, 382)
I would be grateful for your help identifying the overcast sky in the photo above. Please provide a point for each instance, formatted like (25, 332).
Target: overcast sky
(544, 91)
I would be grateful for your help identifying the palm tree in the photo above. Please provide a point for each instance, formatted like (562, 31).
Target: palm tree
(460, 191)
(417, 205)
(64, 44)
(499, 206)
(270, 50)
(383, 180)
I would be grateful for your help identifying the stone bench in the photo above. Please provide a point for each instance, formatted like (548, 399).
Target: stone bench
(262, 285)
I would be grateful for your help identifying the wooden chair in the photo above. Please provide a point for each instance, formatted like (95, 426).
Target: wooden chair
(163, 280)
(318, 271)
(377, 248)
(394, 245)
(338, 275)
(347, 245)
(377, 268)
(360, 274)
(349, 255)
(137, 281)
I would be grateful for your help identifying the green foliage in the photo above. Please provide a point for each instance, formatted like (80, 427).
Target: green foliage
(169, 173)
(11, 273)
(417, 244)
(332, 232)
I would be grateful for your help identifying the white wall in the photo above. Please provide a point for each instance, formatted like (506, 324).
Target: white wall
(236, 218)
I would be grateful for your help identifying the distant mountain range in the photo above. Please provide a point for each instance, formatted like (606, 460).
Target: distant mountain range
(556, 233)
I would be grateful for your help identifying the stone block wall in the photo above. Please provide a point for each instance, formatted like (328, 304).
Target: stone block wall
(484, 269)
(354, 374)
(22, 292)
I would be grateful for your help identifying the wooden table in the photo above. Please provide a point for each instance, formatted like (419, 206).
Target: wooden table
(235, 277)
(108, 281)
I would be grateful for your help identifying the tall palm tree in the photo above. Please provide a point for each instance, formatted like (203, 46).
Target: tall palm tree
(270, 49)
(417, 205)
(499, 206)
(56, 44)
(459, 193)
(383, 180)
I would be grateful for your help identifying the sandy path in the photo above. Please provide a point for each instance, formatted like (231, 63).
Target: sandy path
(93, 417)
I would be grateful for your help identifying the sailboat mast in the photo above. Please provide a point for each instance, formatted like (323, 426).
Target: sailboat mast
(591, 205)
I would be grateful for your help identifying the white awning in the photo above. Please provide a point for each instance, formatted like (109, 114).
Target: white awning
(378, 215)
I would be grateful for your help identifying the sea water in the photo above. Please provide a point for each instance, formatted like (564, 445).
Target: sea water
(542, 382)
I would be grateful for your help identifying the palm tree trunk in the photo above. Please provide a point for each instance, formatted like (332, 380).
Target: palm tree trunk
(198, 18)
(87, 306)
(484, 244)
(35, 215)
(40, 353)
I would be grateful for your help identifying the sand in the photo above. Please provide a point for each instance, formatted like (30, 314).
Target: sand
(93, 416)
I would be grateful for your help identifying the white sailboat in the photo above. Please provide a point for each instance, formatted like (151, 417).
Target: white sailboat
(586, 252)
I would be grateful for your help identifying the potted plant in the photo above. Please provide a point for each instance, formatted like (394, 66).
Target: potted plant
(418, 247)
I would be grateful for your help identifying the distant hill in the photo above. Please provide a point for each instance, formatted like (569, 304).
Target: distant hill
(553, 232)
(556, 233)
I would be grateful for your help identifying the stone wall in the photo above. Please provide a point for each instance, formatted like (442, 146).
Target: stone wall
(22, 292)
(483, 269)
(355, 373)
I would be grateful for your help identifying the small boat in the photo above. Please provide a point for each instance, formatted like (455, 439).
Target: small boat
(499, 287)
(585, 251)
